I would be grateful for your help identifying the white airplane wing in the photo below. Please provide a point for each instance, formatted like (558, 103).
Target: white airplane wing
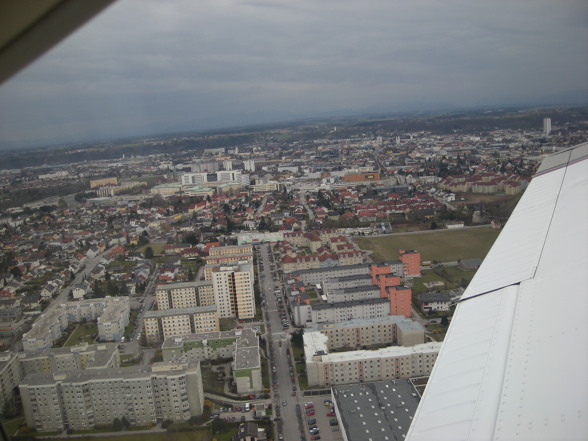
(514, 363)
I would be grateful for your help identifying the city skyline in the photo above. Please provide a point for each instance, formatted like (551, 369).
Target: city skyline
(147, 67)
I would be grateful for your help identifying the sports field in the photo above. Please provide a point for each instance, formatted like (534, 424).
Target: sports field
(438, 245)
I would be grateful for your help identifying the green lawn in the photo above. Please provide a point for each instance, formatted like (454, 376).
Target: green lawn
(12, 425)
(157, 248)
(451, 277)
(196, 435)
(82, 333)
(210, 383)
(439, 246)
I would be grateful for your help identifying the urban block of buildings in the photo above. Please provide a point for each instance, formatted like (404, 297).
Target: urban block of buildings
(242, 345)
(111, 313)
(159, 325)
(379, 410)
(390, 363)
(82, 400)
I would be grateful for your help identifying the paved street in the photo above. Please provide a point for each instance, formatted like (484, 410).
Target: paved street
(292, 424)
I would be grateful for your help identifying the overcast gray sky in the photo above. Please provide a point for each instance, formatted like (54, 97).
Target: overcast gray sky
(148, 66)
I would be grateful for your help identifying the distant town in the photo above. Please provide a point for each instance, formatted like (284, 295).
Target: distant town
(249, 284)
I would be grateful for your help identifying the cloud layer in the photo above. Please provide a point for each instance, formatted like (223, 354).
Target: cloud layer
(146, 66)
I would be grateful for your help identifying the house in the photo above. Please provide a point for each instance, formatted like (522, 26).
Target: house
(249, 432)
(435, 301)
(80, 290)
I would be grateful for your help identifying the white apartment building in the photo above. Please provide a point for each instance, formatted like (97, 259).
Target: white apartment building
(46, 330)
(246, 249)
(161, 324)
(194, 178)
(73, 358)
(87, 399)
(233, 290)
(249, 165)
(391, 363)
(10, 375)
(353, 294)
(240, 345)
(389, 330)
(50, 325)
(184, 295)
(114, 319)
(312, 315)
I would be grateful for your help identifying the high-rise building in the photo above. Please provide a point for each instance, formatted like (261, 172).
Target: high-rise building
(249, 165)
(411, 263)
(233, 290)
(184, 295)
(546, 126)
(82, 400)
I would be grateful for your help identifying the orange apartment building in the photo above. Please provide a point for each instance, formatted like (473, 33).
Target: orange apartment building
(400, 297)
(411, 263)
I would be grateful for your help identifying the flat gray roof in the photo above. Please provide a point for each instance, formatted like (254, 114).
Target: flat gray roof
(180, 311)
(181, 285)
(349, 304)
(405, 323)
(378, 411)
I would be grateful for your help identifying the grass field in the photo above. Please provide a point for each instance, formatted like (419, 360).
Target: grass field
(157, 248)
(200, 435)
(438, 246)
(450, 277)
(82, 333)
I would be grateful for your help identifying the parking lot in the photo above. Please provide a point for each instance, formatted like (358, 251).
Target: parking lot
(320, 421)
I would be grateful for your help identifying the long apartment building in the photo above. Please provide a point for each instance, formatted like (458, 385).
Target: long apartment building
(83, 400)
(389, 330)
(49, 327)
(10, 376)
(184, 295)
(16, 365)
(242, 345)
(233, 289)
(323, 275)
(312, 315)
(159, 325)
(229, 255)
(390, 363)
(73, 358)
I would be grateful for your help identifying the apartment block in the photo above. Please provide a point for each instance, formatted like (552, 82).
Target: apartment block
(159, 325)
(50, 325)
(231, 250)
(323, 275)
(114, 319)
(82, 400)
(184, 295)
(353, 294)
(73, 358)
(242, 345)
(389, 330)
(391, 363)
(340, 312)
(46, 330)
(347, 282)
(10, 376)
(233, 290)
(411, 263)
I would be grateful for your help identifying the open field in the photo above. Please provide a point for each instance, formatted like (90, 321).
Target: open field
(438, 245)
(82, 333)
(157, 248)
(442, 279)
(203, 435)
